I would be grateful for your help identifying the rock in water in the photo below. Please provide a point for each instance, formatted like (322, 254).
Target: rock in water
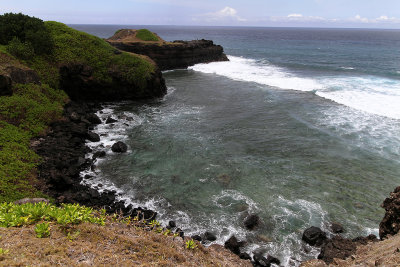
(110, 120)
(93, 118)
(93, 137)
(260, 260)
(251, 221)
(119, 147)
(210, 236)
(234, 245)
(337, 228)
(314, 236)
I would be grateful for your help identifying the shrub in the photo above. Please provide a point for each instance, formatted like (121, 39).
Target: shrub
(146, 35)
(29, 30)
(42, 230)
(19, 49)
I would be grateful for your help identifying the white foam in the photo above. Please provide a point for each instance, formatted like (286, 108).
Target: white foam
(250, 70)
(380, 96)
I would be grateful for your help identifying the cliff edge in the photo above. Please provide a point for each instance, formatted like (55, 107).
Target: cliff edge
(168, 55)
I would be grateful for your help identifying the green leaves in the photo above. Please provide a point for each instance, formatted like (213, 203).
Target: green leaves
(42, 230)
(146, 35)
(191, 244)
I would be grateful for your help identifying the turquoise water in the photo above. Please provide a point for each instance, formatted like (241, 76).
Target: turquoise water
(299, 142)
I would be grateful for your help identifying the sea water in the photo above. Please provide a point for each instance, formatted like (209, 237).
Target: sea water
(301, 126)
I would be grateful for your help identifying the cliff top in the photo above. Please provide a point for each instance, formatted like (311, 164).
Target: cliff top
(135, 36)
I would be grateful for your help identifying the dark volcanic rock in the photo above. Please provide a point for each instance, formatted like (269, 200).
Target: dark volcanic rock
(210, 236)
(19, 75)
(390, 224)
(244, 256)
(181, 54)
(119, 147)
(251, 221)
(337, 247)
(234, 245)
(260, 260)
(171, 224)
(78, 82)
(99, 154)
(93, 137)
(110, 120)
(93, 118)
(314, 236)
(5, 85)
(196, 237)
(337, 228)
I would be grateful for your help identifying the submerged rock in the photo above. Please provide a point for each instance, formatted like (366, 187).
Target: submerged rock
(251, 221)
(337, 228)
(110, 120)
(314, 236)
(119, 147)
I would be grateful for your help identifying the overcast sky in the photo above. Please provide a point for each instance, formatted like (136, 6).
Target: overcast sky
(300, 13)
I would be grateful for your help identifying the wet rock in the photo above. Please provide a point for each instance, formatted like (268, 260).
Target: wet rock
(99, 154)
(260, 260)
(251, 221)
(119, 147)
(110, 120)
(196, 237)
(180, 232)
(234, 245)
(337, 228)
(171, 224)
(75, 116)
(244, 256)
(362, 240)
(314, 236)
(93, 137)
(93, 118)
(209, 236)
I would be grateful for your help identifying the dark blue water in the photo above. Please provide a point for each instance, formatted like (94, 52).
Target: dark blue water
(302, 127)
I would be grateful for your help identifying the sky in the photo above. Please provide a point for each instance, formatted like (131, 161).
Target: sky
(268, 13)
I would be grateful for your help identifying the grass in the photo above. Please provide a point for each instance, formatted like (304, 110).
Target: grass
(72, 46)
(24, 115)
(120, 241)
(146, 35)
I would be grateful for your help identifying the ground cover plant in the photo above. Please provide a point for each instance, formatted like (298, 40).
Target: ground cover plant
(146, 35)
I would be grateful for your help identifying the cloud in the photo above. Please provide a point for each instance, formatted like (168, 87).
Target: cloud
(295, 16)
(227, 14)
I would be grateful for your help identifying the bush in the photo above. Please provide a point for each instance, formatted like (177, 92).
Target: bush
(146, 35)
(19, 49)
(28, 30)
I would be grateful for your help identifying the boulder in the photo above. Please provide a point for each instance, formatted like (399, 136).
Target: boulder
(260, 260)
(337, 228)
(5, 85)
(119, 147)
(93, 137)
(314, 236)
(196, 237)
(19, 75)
(99, 154)
(110, 120)
(208, 236)
(234, 245)
(171, 224)
(93, 118)
(337, 247)
(251, 221)
(244, 256)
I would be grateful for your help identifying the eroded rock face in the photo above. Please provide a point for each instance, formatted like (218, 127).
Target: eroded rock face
(78, 82)
(179, 55)
(13, 75)
(5, 85)
(390, 224)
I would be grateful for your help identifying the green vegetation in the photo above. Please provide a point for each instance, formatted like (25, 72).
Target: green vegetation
(25, 35)
(12, 215)
(45, 46)
(146, 35)
(24, 115)
(42, 230)
(191, 244)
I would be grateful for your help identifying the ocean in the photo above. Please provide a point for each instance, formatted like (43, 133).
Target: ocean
(301, 126)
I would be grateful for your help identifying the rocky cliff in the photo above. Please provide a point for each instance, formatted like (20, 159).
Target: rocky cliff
(170, 55)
